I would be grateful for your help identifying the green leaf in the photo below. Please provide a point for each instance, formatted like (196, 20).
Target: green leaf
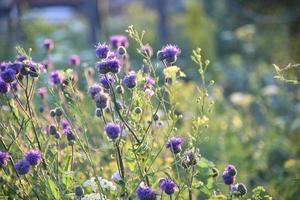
(53, 188)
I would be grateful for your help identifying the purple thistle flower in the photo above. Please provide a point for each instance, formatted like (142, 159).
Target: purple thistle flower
(112, 130)
(118, 40)
(228, 180)
(102, 50)
(48, 44)
(22, 167)
(55, 78)
(149, 82)
(105, 82)
(4, 156)
(229, 174)
(94, 90)
(108, 65)
(74, 60)
(8, 75)
(130, 80)
(145, 193)
(167, 185)
(231, 170)
(4, 87)
(101, 100)
(33, 157)
(65, 124)
(17, 65)
(42, 92)
(116, 177)
(3, 66)
(169, 53)
(174, 144)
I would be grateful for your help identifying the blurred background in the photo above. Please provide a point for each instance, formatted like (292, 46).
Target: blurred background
(256, 121)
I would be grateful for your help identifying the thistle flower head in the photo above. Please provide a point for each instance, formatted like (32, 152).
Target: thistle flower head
(145, 193)
(130, 80)
(108, 65)
(22, 167)
(94, 90)
(4, 87)
(174, 144)
(33, 157)
(102, 50)
(118, 40)
(106, 81)
(167, 185)
(74, 60)
(101, 100)
(55, 78)
(8, 75)
(42, 92)
(48, 44)
(4, 156)
(113, 130)
(169, 53)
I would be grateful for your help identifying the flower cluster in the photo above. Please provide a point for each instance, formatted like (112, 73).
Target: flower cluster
(229, 174)
(32, 157)
(105, 184)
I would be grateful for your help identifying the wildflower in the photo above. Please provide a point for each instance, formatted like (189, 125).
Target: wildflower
(238, 189)
(169, 53)
(74, 60)
(149, 82)
(138, 110)
(231, 170)
(52, 113)
(65, 123)
(22, 167)
(94, 90)
(145, 193)
(147, 50)
(174, 144)
(8, 75)
(59, 111)
(215, 172)
(189, 159)
(42, 92)
(4, 87)
(79, 191)
(102, 50)
(48, 44)
(228, 180)
(121, 51)
(17, 65)
(118, 40)
(33, 157)
(101, 100)
(106, 81)
(156, 117)
(108, 65)
(113, 130)
(167, 185)
(98, 112)
(55, 78)
(33, 69)
(4, 156)
(149, 93)
(116, 177)
(52, 130)
(130, 80)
